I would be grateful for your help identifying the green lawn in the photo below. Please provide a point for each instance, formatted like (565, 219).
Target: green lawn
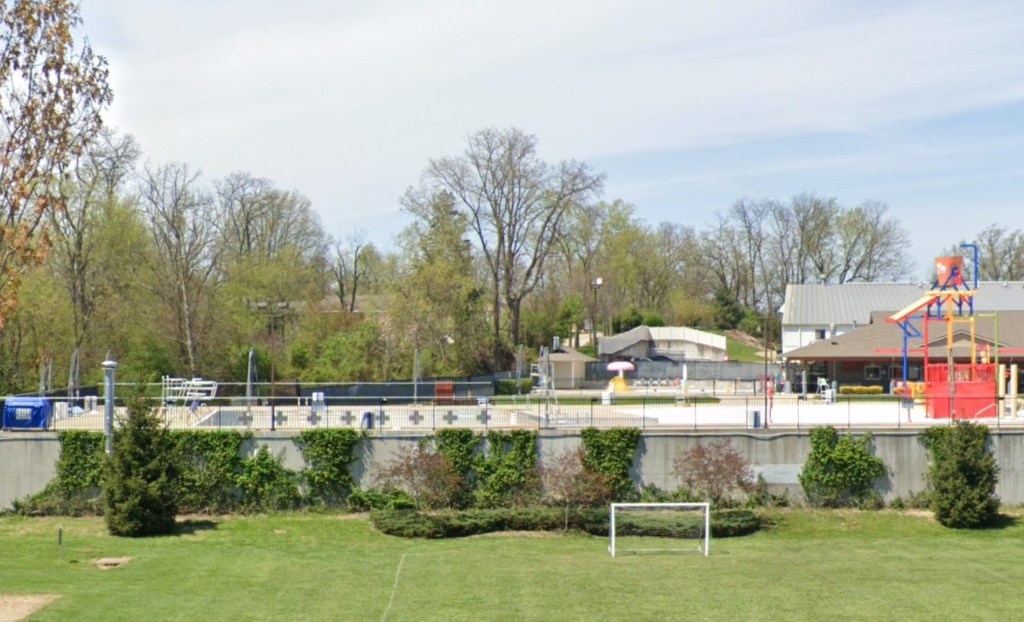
(811, 566)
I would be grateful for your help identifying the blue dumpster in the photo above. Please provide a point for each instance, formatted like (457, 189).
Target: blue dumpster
(27, 413)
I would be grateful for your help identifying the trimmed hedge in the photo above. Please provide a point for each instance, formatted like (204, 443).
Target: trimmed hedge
(457, 524)
(859, 390)
(511, 387)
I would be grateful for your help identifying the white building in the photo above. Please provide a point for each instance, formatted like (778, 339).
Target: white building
(675, 342)
(814, 312)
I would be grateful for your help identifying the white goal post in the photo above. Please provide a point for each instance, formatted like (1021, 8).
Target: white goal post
(659, 527)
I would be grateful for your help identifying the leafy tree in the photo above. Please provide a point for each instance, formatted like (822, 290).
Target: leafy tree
(140, 479)
(840, 468)
(571, 315)
(52, 94)
(963, 474)
(516, 205)
(627, 320)
(438, 296)
(349, 356)
(728, 311)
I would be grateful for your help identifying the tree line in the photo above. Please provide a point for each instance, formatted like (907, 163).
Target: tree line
(107, 255)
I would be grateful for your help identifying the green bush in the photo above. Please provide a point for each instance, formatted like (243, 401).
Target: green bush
(858, 390)
(511, 387)
(139, 483)
(379, 499)
(210, 463)
(963, 474)
(266, 485)
(328, 452)
(76, 489)
(507, 473)
(840, 470)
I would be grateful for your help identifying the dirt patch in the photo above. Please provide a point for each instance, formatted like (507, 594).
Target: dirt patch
(519, 534)
(927, 514)
(108, 563)
(354, 516)
(18, 607)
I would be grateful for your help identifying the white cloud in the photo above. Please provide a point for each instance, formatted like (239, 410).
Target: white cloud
(347, 101)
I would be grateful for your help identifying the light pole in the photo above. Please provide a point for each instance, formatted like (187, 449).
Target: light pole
(594, 285)
(765, 387)
(273, 313)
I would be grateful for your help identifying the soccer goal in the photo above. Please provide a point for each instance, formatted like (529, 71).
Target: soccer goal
(659, 528)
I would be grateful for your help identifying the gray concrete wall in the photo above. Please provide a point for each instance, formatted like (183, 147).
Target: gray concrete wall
(28, 460)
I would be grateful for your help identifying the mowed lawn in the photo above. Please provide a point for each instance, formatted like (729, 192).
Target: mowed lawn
(831, 566)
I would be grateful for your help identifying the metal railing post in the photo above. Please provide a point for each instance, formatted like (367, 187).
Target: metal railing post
(109, 367)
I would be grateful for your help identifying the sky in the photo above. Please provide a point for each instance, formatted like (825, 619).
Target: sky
(686, 106)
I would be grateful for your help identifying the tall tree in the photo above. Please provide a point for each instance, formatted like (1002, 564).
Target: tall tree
(181, 218)
(77, 229)
(515, 204)
(441, 296)
(52, 93)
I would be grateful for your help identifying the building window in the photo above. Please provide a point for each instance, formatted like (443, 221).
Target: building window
(821, 333)
(872, 372)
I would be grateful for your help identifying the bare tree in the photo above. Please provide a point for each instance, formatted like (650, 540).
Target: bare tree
(516, 205)
(352, 266)
(568, 483)
(1000, 254)
(51, 96)
(871, 246)
(181, 218)
(258, 222)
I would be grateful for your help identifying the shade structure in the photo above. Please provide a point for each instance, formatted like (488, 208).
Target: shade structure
(621, 366)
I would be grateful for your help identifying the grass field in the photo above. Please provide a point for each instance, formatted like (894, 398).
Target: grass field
(811, 566)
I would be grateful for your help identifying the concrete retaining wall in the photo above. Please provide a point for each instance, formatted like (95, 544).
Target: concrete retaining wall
(28, 460)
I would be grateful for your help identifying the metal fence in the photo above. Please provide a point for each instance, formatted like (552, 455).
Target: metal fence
(647, 410)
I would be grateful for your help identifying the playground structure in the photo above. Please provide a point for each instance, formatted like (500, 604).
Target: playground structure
(951, 389)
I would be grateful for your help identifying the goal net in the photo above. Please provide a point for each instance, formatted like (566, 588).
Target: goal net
(659, 527)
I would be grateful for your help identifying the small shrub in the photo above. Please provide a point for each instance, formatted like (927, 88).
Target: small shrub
(567, 483)
(840, 470)
(859, 390)
(266, 485)
(963, 474)
(511, 387)
(427, 476)
(761, 498)
(715, 472)
(379, 499)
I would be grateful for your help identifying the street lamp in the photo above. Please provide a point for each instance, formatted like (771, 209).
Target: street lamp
(594, 285)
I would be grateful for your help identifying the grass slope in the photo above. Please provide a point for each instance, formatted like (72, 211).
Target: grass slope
(811, 566)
